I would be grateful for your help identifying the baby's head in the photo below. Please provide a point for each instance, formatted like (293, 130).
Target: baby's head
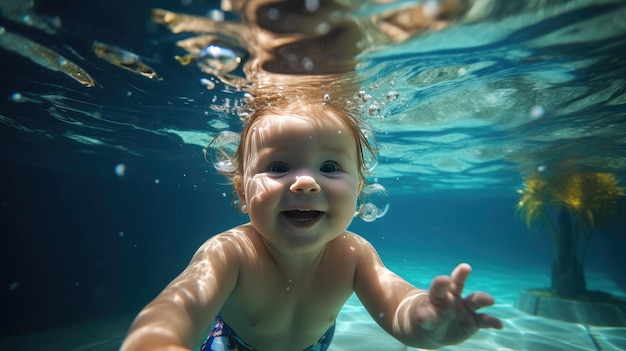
(319, 111)
(298, 172)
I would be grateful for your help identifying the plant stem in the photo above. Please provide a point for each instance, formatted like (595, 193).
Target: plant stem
(552, 232)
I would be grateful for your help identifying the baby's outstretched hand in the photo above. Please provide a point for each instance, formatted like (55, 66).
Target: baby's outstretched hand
(448, 318)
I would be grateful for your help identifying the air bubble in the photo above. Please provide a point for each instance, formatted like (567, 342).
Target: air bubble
(216, 15)
(248, 98)
(431, 8)
(373, 109)
(392, 95)
(368, 212)
(322, 28)
(374, 202)
(120, 169)
(537, 112)
(17, 97)
(209, 84)
(273, 14)
(218, 58)
(365, 97)
(223, 149)
(312, 5)
(308, 64)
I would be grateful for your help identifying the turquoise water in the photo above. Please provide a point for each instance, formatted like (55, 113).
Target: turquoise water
(106, 194)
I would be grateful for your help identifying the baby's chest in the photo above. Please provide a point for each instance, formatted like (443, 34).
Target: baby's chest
(274, 298)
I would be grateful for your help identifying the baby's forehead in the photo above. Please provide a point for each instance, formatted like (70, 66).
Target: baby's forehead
(285, 122)
(290, 130)
(281, 131)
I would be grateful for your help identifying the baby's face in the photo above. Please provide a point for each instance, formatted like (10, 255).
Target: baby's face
(300, 180)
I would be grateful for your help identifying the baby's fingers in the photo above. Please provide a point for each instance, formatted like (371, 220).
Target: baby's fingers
(459, 276)
(439, 287)
(478, 300)
(488, 321)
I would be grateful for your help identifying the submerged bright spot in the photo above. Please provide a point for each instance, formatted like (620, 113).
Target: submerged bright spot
(17, 97)
(537, 112)
(120, 169)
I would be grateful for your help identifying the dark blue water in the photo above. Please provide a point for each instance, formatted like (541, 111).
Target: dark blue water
(80, 242)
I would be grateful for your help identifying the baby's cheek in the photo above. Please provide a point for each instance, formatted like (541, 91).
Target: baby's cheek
(257, 188)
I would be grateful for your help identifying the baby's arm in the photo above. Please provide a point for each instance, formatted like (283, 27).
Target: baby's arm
(419, 318)
(177, 317)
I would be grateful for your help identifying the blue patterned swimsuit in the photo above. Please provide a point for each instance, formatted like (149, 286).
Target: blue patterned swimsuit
(224, 338)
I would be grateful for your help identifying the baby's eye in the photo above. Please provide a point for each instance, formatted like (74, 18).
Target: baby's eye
(278, 167)
(329, 167)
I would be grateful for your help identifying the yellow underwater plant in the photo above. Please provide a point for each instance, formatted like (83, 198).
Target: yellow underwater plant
(590, 197)
(586, 202)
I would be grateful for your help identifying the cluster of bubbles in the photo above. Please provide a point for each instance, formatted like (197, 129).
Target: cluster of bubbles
(373, 199)
(377, 98)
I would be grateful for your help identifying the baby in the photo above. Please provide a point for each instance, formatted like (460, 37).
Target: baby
(278, 282)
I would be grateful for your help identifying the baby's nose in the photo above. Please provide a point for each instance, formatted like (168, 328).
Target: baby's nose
(304, 184)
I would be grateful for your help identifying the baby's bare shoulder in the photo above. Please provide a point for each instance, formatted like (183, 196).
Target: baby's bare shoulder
(233, 244)
(351, 239)
(351, 245)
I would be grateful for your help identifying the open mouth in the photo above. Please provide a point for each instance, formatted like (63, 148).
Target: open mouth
(303, 218)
